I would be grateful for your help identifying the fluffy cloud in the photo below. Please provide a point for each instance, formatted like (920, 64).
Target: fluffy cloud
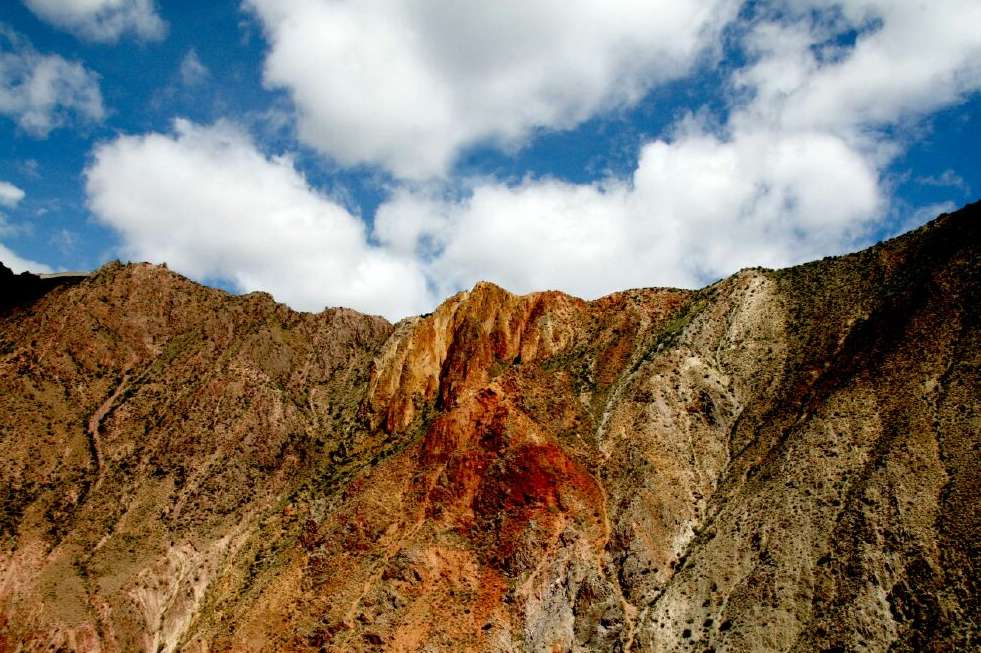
(794, 171)
(793, 174)
(10, 195)
(408, 84)
(43, 92)
(204, 200)
(695, 209)
(908, 59)
(208, 203)
(102, 20)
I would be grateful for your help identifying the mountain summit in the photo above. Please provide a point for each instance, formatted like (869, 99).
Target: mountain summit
(786, 460)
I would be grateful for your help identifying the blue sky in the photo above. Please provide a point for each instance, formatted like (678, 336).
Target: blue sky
(382, 155)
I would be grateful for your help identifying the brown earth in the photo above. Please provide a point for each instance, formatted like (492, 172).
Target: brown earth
(783, 461)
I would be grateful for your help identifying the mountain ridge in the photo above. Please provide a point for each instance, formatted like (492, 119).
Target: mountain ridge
(743, 467)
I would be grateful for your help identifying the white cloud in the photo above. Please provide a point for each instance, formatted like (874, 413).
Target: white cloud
(192, 70)
(407, 85)
(18, 264)
(695, 209)
(102, 20)
(43, 92)
(208, 203)
(10, 195)
(793, 174)
(795, 171)
(910, 58)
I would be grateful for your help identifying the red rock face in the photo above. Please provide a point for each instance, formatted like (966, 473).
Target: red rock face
(785, 460)
(506, 491)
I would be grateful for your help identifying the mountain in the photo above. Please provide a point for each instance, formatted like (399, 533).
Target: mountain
(786, 460)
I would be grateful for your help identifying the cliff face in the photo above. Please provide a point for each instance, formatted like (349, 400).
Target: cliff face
(786, 460)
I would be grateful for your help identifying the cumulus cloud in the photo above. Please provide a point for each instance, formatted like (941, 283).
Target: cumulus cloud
(695, 209)
(793, 171)
(206, 201)
(42, 92)
(407, 85)
(793, 174)
(909, 58)
(10, 195)
(102, 20)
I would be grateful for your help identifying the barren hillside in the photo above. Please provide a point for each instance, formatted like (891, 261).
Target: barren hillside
(783, 461)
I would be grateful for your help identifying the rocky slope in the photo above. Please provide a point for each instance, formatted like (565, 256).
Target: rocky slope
(783, 461)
